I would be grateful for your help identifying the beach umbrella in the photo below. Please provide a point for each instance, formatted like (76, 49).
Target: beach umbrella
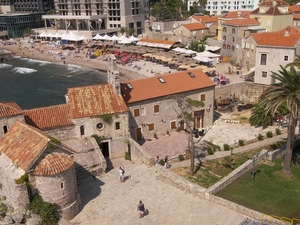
(97, 37)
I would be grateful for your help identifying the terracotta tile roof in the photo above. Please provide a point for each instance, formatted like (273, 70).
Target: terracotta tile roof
(95, 100)
(297, 17)
(278, 38)
(194, 26)
(23, 144)
(49, 117)
(9, 109)
(175, 83)
(237, 14)
(52, 164)
(242, 22)
(270, 3)
(294, 8)
(157, 41)
(206, 19)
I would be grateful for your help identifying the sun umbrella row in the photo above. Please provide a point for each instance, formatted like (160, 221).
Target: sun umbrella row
(122, 40)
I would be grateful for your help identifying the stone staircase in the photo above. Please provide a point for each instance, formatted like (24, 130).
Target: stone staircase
(83, 175)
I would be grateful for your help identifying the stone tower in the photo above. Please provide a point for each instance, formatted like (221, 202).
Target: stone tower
(113, 75)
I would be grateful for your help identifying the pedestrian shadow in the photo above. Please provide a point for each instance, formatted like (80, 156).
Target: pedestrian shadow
(146, 212)
(127, 177)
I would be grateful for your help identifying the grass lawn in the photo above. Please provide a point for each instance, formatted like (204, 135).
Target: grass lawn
(271, 193)
(211, 172)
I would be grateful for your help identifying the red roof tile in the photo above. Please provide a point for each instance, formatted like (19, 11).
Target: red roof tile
(23, 144)
(175, 83)
(297, 17)
(95, 100)
(52, 164)
(242, 22)
(294, 8)
(237, 14)
(206, 19)
(49, 117)
(194, 26)
(9, 109)
(278, 38)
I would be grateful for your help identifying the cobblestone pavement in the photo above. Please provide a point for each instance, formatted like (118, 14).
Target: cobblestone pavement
(108, 201)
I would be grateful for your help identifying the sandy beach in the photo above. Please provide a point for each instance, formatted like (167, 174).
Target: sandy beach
(136, 70)
(51, 53)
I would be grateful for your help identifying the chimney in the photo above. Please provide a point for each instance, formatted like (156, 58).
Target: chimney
(274, 3)
(287, 31)
(239, 14)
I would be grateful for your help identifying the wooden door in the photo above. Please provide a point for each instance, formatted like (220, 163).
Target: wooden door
(138, 134)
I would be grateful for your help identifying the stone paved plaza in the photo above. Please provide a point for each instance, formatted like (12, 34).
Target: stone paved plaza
(108, 201)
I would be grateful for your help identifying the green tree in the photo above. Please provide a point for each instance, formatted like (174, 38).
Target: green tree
(50, 12)
(197, 46)
(185, 113)
(295, 63)
(131, 31)
(287, 91)
(28, 32)
(123, 30)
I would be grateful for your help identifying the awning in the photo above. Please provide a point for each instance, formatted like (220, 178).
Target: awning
(167, 46)
(151, 44)
(142, 43)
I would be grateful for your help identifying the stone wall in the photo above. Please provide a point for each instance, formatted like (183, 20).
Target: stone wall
(138, 154)
(8, 122)
(247, 91)
(16, 195)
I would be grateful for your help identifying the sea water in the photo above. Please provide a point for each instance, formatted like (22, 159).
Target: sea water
(35, 83)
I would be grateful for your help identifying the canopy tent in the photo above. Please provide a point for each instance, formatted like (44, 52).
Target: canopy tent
(114, 38)
(64, 35)
(72, 37)
(57, 35)
(184, 51)
(212, 48)
(50, 35)
(83, 37)
(132, 38)
(43, 34)
(97, 37)
(124, 40)
(208, 54)
(202, 59)
(105, 38)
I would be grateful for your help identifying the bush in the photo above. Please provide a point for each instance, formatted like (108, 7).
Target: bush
(209, 151)
(213, 145)
(3, 207)
(181, 157)
(162, 162)
(226, 147)
(241, 142)
(269, 134)
(260, 137)
(278, 131)
(127, 156)
(276, 145)
(47, 211)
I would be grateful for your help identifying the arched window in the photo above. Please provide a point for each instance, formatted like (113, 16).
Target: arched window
(81, 130)
(228, 46)
(233, 30)
(224, 46)
(232, 48)
(5, 129)
(224, 38)
(224, 29)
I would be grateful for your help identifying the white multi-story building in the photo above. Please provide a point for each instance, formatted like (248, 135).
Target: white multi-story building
(219, 7)
(97, 15)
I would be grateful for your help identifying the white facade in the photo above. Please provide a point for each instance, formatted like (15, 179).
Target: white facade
(219, 7)
(268, 60)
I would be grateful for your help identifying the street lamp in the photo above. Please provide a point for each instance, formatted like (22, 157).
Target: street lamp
(252, 156)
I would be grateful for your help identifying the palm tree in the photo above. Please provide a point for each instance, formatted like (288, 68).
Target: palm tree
(287, 91)
(123, 30)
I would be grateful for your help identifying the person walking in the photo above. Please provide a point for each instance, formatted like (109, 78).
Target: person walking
(166, 162)
(122, 174)
(141, 209)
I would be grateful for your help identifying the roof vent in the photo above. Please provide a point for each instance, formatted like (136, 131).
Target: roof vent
(191, 74)
(161, 80)
(129, 86)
